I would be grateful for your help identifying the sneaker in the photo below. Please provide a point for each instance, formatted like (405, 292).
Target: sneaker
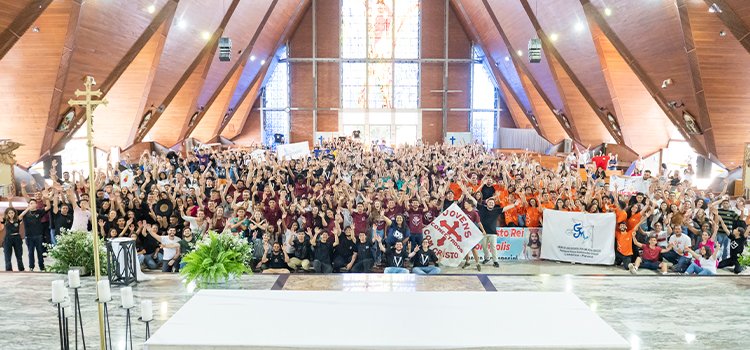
(479, 268)
(485, 261)
(464, 265)
(496, 264)
(632, 269)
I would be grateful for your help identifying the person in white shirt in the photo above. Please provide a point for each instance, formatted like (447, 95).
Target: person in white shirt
(680, 242)
(707, 258)
(81, 213)
(170, 250)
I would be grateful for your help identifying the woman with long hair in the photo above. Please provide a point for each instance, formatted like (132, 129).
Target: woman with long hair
(12, 242)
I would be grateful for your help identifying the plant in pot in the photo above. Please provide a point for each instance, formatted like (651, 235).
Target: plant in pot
(75, 249)
(216, 259)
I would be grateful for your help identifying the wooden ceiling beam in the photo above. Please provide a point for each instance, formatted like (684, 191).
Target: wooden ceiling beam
(550, 49)
(294, 22)
(167, 11)
(571, 132)
(239, 64)
(595, 18)
(208, 50)
(20, 24)
(732, 21)
(704, 118)
(461, 11)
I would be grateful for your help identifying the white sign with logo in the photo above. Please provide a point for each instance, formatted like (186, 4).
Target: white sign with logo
(452, 235)
(579, 237)
(629, 184)
(293, 151)
(126, 178)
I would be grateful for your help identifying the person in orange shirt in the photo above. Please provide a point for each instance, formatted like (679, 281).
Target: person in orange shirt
(533, 213)
(624, 243)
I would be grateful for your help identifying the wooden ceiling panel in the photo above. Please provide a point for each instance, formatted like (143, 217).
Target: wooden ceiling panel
(516, 111)
(29, 70)
(206, 127)
(551, 128)
(16, 16)
(9, 10)
(240, 29)
(234, 126)
(644, 126)
(724, 71)
(114, 121)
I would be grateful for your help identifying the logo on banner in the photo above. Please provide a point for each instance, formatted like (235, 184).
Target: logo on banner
(450, 231)
(581, 232)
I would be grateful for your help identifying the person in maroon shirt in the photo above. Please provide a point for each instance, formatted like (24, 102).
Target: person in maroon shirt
(415, 214)
(359, 217)
(393, 209)
(272, 212)
(433, 210)
(471, 212)
(300, 187)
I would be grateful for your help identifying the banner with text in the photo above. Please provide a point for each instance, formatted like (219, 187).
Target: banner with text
(293, 151)
(629, 184)
(516, 243)
(452, 235)
(579, 237)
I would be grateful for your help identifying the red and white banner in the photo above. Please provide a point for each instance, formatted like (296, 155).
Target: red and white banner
(452, 235)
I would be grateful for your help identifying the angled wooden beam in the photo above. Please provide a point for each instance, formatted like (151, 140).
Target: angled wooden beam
(208, 50)
(240, 63)
(550, 49)
(20, 24)
(571, 132)
(294, 22)
(167, 12)
(459, 7)
(732, 21)
(594, 17)
(704, 119)
(53, 117)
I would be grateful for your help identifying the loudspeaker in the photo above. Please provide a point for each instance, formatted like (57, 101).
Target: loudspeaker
(567, 145)
(225, 49)
(355, 134)
(48, 167)
(535, 50)
(278, 138)
(703, 166)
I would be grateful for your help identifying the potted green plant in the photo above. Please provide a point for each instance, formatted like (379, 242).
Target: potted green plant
(216, 259)
(75, 249)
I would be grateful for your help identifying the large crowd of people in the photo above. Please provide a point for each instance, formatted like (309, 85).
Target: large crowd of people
(354, 207)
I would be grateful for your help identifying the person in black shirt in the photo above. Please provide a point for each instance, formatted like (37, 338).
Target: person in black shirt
(12, 242)
(364, 255)
(302, 250)
(421, 259)
(152, 255)
(343, 255)
(395, 258)
(737, 242)
(491, 217)
(322, 252)
(35, 228)
(276, 260)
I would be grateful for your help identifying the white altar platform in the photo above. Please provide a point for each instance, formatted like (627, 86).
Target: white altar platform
(245, 319)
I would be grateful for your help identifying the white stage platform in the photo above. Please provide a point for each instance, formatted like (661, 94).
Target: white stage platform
(244, 319)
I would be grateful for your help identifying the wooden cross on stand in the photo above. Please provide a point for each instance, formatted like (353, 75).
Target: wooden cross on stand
(89, 103)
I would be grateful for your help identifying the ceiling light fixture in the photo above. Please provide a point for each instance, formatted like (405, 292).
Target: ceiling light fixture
(714, 8)
(35, 29)
(151, 8)
(722, 33)
(553, 37)
(206, 35)
(507, 58)
(608, 12)
(519, 53)
(262, 62)
(252, 58)
(182, 24)
(579, 27)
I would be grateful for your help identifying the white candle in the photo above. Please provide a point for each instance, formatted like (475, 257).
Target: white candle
(58, 291)
(126, 294)
(147, 310)
(74, 278)
(103, 292)
(68, 311)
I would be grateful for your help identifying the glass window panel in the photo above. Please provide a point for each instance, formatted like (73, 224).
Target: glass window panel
(406, 134)
(483, 88)
(407, 118)
(406, 89)
(276, 98)
(380, 29)
(349, 129)
(353, 29)
(352, 118)
(380, 133)
(277, 88)
(406, 19)
(275, 122)
(483, 127)
(380, 80)
(380, 118)
(353, 92)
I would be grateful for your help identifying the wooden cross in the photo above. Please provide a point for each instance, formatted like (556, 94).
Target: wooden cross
(88, 102)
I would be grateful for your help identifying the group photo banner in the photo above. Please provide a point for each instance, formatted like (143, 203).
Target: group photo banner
(452, 235)
(628, 184)
(516, 243)
(579, 237)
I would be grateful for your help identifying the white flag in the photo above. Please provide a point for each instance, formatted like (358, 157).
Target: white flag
(452, 235)
(579, 237)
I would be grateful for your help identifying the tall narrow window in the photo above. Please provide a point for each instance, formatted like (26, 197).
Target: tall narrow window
(275, 100)
(380, 69)
(484, 100)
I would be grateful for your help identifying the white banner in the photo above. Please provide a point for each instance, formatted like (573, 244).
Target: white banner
(629, 184)
(293, 151)
(259, 155)
(579, 237)
(452, 235)
(126, 178)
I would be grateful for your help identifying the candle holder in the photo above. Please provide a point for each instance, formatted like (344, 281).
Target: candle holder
(78, 318)
(62, 326)
(148, 329)
(128, 328)
(107, 329)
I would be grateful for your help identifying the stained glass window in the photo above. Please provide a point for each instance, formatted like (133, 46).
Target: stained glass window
(484, 103)
(275, 101)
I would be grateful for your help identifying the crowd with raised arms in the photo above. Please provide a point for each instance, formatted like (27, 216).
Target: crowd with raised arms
(354, 207)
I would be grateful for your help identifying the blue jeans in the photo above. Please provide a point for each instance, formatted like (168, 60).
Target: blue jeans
(52, 238)
(152, 263)
(521, 220)
(427, 270)
(34, 243)
(695, 269)
(723, 240)
(416, 240)
(395, 270)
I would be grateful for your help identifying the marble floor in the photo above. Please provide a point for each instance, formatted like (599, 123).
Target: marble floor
(652, 312)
